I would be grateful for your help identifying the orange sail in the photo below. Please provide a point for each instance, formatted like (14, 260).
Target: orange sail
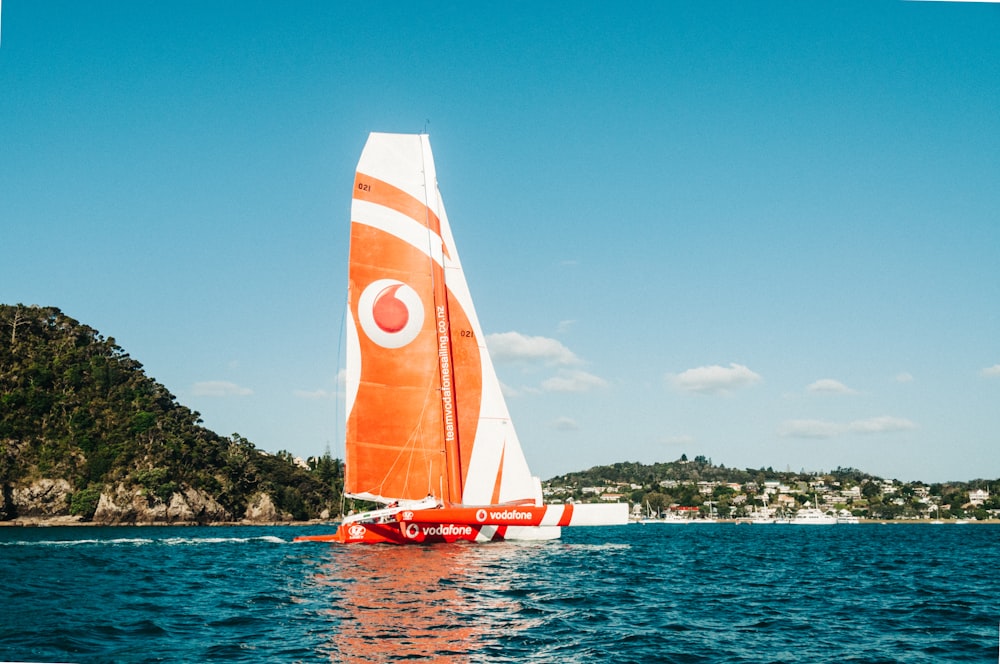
(425, 411)
(428, 431)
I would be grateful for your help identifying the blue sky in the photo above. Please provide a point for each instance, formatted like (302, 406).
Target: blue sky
(767, 232)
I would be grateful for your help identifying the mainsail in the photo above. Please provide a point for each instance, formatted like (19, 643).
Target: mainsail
(428, 431)
(425, 414)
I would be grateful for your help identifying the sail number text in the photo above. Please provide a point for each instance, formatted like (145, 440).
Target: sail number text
(467, 334)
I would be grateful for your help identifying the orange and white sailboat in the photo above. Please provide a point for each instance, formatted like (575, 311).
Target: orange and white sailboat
(428, 431)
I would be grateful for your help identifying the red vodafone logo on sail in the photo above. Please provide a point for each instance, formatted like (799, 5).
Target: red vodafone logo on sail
(390, 312)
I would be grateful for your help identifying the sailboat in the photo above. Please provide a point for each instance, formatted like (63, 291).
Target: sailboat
(428, 433)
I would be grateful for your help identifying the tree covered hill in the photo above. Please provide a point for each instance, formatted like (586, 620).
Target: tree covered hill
(77, 412)
(735, 492)
(699, 469)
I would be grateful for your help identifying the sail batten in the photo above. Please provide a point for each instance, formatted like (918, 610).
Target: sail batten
(402, 226)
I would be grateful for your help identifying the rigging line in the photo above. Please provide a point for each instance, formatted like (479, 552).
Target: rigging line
(411, 445)
(407, 449)
(342, 364)
(340, 406)
(339, 416)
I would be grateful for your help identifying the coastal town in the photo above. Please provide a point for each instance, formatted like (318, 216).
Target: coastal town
(687, 491)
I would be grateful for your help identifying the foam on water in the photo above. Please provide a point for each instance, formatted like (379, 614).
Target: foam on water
(143, 541)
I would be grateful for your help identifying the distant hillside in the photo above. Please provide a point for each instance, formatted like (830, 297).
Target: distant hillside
(85, 432)
(699, 484)
(699, 469)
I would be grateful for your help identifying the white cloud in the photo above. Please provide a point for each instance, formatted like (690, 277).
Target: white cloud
(564, 424)
(829, 386)
(904, 377)
(572, 381)
(827, 429)
(715, 379)
(315, 394)
(219, 388)
(882, 424)
(991, 372)
(514, 346)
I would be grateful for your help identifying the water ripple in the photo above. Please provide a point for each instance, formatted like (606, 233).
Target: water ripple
(724, 593)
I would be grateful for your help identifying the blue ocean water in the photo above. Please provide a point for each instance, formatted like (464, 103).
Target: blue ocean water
(638, 593)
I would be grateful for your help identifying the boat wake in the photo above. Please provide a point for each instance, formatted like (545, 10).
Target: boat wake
(147, 541)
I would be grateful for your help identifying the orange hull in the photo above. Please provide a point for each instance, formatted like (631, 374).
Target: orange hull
(493, 515)
(483, 523)
(395, 532)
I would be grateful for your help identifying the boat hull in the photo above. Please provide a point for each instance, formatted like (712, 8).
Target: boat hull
(398, 532)
(487, 523)
(612, 514)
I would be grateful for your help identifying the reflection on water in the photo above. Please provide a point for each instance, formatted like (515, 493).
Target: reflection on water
(423, 602)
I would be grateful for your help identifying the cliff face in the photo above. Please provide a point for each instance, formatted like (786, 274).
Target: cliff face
(119, 504)
(42, 498)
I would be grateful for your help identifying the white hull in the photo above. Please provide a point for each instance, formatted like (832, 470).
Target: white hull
(811, 516)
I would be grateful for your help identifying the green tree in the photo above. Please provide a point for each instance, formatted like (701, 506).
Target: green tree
(84, 502)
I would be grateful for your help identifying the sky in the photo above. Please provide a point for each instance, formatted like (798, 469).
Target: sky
(767, 233)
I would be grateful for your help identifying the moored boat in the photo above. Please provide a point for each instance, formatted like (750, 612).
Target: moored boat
(812, 516)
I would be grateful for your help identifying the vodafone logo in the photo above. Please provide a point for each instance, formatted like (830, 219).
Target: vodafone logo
(480, 515)
(413, 531)
(390, 313)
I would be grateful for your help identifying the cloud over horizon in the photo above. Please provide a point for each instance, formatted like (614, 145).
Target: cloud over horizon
(991, 372)
(517, 347)
(564, 424)
(829, 386)
(826, 429)
(572, 381)
(714, 379)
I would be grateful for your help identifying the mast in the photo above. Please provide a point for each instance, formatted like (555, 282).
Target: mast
(442, 327)
(449, 402)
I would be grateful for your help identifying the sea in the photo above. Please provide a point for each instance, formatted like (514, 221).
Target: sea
(721, 592)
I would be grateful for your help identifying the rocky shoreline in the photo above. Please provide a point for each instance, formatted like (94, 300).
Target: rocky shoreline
(48, 502)
(73, 521)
